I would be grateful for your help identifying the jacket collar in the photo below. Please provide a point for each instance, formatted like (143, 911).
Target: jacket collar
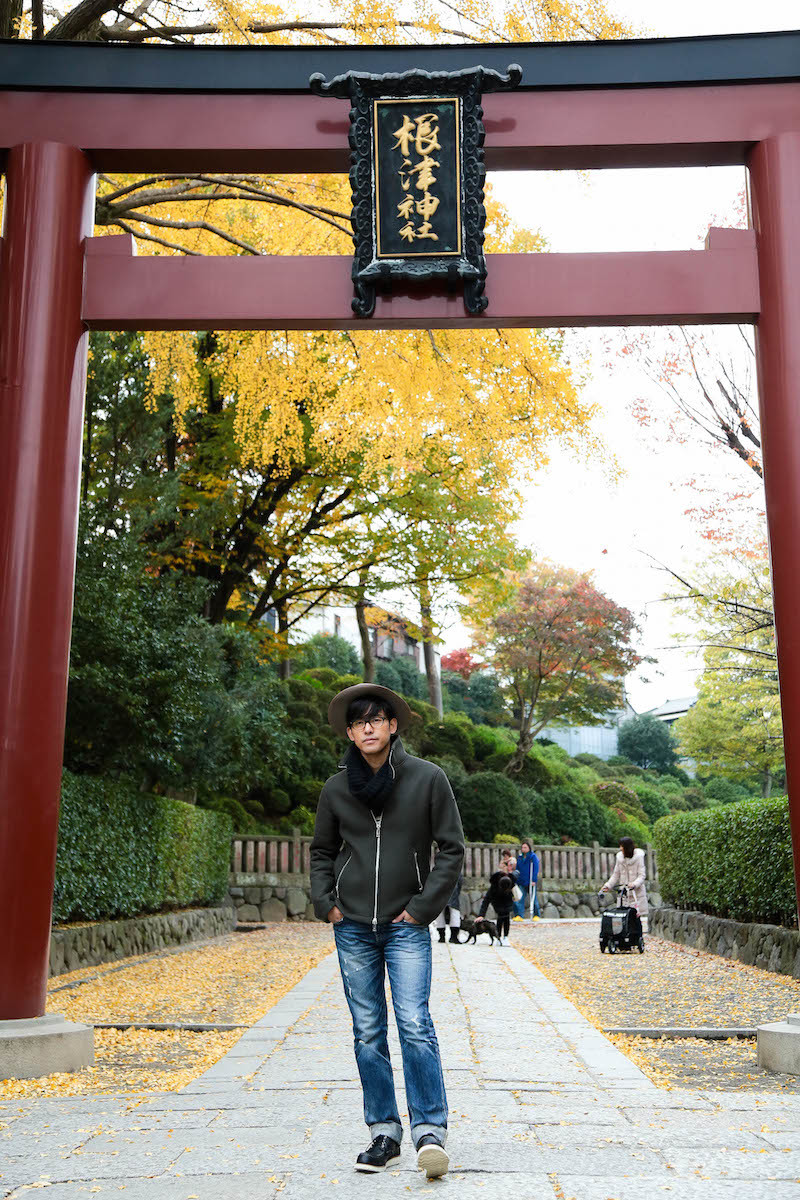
(397, 756)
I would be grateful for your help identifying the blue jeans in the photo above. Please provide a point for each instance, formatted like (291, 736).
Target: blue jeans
(522, 907)
(404, 950)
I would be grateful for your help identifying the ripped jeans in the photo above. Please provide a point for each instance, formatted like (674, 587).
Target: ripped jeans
(404, 950)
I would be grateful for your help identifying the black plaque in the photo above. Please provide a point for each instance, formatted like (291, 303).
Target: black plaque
(417, 178)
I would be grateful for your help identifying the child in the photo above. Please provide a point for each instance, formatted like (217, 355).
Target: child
(499, 896)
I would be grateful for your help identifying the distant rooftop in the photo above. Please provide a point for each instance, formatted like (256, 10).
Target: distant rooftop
(670, 710)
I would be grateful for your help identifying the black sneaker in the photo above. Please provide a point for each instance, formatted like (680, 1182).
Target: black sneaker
(384, 1152)
(432, 1158)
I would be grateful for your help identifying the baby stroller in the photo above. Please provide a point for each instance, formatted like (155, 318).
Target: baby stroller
(621, 927)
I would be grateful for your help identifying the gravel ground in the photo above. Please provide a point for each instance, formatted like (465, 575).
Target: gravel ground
(233, 979)
(669, 985)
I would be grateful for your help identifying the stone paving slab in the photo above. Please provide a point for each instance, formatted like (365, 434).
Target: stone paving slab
(583, 1187)
(542, 1104)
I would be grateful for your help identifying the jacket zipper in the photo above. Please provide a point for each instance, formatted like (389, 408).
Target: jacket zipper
(377, 821)
(341, 873)
(416, 865)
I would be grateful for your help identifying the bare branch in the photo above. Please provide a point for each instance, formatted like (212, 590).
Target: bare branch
(165, 223)
(113, 33)
(148, 237)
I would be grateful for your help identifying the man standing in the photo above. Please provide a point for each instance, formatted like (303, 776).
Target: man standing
(371, 878)
(528, 869)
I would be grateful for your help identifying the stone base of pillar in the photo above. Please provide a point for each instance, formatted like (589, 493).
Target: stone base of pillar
(779, 1045)
(42, 1046)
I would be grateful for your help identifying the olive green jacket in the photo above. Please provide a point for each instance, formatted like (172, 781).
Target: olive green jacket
(372, 867)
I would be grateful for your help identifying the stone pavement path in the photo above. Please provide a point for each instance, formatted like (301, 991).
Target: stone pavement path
(541, 1104)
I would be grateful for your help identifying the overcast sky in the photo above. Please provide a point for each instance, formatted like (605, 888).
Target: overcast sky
(576, 515)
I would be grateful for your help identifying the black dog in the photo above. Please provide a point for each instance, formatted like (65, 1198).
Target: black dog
(477, 926)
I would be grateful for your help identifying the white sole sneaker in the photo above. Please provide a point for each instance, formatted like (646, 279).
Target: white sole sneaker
(433, 1160)
(369, 1169)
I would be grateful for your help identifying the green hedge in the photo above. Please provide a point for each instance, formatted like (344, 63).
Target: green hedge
(732, 861)
(122, 852)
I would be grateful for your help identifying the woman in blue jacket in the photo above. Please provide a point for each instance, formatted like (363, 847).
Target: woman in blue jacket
(528, 869)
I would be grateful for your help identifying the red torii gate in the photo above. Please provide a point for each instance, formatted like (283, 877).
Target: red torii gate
(67, 111)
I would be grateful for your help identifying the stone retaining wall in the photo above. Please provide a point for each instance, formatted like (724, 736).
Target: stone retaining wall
(770, 947)
(288, 897)
(271, 897)
(73, 947)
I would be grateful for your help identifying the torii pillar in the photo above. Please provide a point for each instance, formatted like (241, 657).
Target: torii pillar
(43, 343)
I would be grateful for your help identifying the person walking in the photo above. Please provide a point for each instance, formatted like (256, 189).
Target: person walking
(451, 913)
(499, 895)
(528, 870)
(630, 872)
(372, 879)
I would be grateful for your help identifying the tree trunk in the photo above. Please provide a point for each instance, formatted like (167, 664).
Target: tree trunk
(428, 651)
(367, 657)
(10, 13)
(766, 784)
(82, 23)
(285, 668)
(87, 448)
(517, 760)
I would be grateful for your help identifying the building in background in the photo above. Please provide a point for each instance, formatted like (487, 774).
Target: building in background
(600, 740)
(392, 635)
(672, 710)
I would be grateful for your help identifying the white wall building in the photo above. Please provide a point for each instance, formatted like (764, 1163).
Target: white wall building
(391, 633)
(601, 740)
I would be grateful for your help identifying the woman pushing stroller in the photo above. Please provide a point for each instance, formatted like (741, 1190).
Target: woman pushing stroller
(629, 873)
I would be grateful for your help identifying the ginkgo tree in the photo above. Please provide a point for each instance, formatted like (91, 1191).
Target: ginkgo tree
(176, 211)
(259, 23)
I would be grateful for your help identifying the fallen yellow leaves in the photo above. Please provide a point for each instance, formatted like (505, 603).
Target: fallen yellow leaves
(670, 985)
(231, 980)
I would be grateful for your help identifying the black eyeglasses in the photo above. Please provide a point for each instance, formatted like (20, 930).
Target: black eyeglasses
(375, 722)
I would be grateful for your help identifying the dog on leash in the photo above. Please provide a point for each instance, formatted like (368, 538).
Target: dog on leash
(478, 926)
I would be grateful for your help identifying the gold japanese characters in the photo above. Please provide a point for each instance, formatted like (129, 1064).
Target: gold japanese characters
(417, 177)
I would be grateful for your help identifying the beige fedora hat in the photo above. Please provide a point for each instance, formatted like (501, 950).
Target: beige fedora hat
(337, 709)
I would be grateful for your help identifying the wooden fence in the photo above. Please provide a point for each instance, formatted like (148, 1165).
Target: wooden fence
(291, 855)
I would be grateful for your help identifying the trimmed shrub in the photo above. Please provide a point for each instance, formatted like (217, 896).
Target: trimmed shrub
(537, 813)
(589, 760)
(329, 650)
(538, 771)
(725, 791)
(487, 742)
(424, 710)
(243, 817)
(324, 677)
(122, 852)
(345, 681)
(618, 795)
(454, 769)
(567, 814)
(601, 822)
(448, 737)
(622, 824)
(301, 690)
(733, 860)
(387, 676)
(412, 682)
(489, 802)
(654, 804)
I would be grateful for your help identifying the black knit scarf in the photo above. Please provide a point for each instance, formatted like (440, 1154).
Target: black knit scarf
(372, 788)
